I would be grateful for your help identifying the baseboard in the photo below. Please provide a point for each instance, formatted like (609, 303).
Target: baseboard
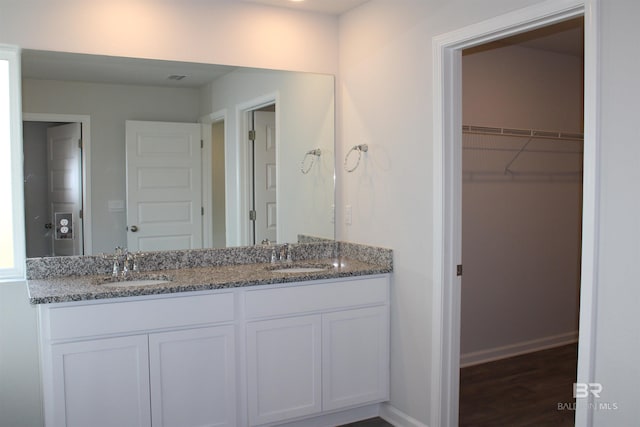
(396, 417)
(497, 353)
(337, 418)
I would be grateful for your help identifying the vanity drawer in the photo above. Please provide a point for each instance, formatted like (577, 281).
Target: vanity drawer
(318, 297)
(77, 321)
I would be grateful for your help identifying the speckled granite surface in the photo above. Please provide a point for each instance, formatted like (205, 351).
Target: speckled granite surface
(64, 279)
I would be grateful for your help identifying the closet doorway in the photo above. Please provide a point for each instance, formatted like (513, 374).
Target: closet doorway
(522, 163)
(262, 176)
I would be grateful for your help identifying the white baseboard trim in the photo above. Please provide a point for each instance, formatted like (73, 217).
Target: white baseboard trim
(497, 353)
(337, 418)
(398, 418)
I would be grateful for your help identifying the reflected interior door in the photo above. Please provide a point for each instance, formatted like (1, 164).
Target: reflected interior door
(164, 186)
(64, 167)
(265, 176)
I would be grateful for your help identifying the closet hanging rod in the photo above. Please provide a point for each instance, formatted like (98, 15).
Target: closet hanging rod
(531, 133)
(529, 150)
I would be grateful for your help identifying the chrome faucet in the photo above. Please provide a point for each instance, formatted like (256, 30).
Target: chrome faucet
(117, 258)
(283, 254)
(126, 262)
(123, 262)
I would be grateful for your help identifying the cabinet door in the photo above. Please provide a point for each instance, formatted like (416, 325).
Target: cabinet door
(101, 383)
(355, 351)
(193, 377)
(284, 362)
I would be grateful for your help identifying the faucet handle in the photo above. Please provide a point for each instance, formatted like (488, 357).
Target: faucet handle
(116, 267)
(285, 253)
(135, 259)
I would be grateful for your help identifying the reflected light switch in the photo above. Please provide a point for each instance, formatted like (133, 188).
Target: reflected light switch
(116, 205)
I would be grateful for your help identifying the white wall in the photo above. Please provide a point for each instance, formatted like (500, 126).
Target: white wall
(521, 234)
(225, 32)
(305, 120)
(109, 106)
(218, 32)
(618, 340)
(20, 398)
(385, 99)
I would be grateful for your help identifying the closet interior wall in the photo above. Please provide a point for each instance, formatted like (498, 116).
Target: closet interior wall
(522, 204)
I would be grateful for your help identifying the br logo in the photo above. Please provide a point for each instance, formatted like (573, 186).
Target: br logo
(582, 390)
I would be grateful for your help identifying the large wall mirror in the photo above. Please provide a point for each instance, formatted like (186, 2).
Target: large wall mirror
(159, 155)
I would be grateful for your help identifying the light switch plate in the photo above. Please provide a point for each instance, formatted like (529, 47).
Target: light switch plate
(116, 205)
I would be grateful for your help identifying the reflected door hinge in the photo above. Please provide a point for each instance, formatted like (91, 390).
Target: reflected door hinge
(80, 214)
(202, 210)
(252, 135)
(202, 143)
(80, 143)
(252, 215)
(459, 270)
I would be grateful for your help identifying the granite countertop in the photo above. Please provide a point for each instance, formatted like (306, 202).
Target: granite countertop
(92, 287)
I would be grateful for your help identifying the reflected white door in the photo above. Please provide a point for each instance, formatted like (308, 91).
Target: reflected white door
(164, 184)
(64, 167)
(265, 176)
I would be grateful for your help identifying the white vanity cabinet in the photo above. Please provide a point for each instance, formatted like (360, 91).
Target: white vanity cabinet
(320, 348)
(102, 382)
(148, 362)
(355, 355)
(193, 377)
(256, 355)
(284, 369)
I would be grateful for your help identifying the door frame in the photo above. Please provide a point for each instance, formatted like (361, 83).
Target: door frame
(207, 171)
(85, 122)
(243, 196)
(447, 167)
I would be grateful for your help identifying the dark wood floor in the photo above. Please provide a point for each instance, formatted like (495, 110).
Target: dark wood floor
(371, 422)
(520, 391)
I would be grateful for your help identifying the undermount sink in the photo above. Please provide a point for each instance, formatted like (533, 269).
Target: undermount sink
(131, 283)
(134, 280)
(299, 268)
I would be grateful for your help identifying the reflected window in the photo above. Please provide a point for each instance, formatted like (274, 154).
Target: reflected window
(11, 253)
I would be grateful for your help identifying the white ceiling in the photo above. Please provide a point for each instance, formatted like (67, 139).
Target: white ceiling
(332, 7)
(110, 69)
(564, 37)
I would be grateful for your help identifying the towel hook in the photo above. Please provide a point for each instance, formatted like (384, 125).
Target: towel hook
(315, 154)
(361, 148)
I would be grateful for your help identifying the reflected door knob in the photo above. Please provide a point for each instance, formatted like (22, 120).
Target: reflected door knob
(133, 228)
(48, 226)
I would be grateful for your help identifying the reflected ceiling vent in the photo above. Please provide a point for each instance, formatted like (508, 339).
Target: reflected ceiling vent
(176, 77)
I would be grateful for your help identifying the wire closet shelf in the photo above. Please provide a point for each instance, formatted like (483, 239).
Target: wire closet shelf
(499, 154)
